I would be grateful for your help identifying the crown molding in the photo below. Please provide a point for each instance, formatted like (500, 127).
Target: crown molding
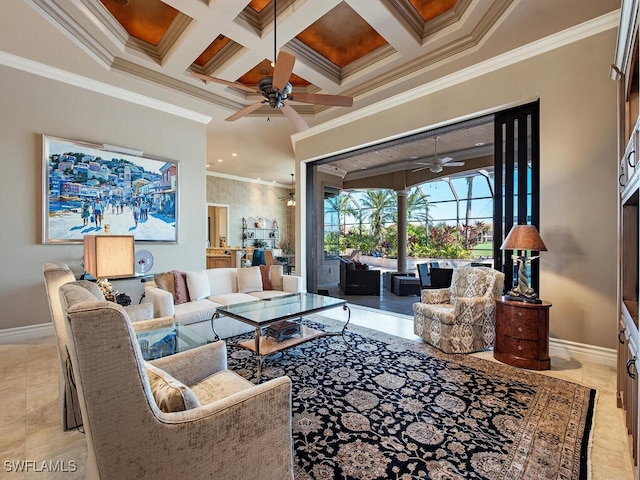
(247, 180)
(422, 29)
(539, 47)
(52, 73)
(314, 60)
(137, 71)
(175, 30)
(102, 16)
(61, 20)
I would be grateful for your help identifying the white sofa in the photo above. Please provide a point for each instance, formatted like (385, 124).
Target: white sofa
(211, 288)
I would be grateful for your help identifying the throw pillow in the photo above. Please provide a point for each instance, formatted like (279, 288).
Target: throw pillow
(249, 280)
(182, 292)
(198, 285)
(276, 272)
(170, 394)
(166, 282)
(72, 294)
(266, 277)
(93, 288)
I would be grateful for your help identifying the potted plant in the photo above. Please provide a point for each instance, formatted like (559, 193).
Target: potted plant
(286, 245)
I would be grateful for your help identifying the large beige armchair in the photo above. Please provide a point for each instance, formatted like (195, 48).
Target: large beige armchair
(56, 275)
(182, 416)
(461, 318)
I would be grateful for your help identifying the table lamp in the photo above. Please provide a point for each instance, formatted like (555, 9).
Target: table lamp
(523, 237)
(109, 256)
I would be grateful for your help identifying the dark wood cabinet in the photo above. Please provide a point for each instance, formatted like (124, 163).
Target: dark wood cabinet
(522, 334)
(626, 70)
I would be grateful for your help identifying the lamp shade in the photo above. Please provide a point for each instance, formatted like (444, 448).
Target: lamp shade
(524, 237)
(109, 256)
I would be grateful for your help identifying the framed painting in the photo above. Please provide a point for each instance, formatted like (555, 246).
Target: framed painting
(102, 189)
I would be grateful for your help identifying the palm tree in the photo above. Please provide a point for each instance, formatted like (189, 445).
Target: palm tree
(468, 213)
(382, 208)
(343, 206)
(417, 206)
(418, 209)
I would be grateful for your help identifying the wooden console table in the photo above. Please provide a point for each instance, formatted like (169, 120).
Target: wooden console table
(522, 334)
(220, 257)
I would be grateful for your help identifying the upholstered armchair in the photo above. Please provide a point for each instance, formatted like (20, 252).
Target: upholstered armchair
(181, 416)
(56, 275)
(461, 318)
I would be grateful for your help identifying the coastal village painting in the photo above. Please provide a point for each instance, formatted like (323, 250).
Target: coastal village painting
(91, 190)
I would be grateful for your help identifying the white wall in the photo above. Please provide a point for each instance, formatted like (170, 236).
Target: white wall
(32, 106)
(578, 169)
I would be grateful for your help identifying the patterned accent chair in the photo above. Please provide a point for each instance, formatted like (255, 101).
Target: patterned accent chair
(461, 318)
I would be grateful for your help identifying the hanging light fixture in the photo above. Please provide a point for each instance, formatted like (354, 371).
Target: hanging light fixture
(292, 199)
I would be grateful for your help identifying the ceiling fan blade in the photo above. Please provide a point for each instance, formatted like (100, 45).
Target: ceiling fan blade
(421, 168)
(245, 111)
(208, 78)
(283, 69)
(453, 164)
(321, 99)
(295, 118)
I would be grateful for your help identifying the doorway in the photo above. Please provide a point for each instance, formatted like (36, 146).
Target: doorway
(217, 225)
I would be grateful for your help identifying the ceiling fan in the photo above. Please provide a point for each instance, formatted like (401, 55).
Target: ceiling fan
(291, 196)
(277, 88)
(437, 164)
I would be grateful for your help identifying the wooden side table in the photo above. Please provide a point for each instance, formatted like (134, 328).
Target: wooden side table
(522, 334)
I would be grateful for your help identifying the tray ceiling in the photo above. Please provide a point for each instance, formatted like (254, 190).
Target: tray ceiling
(341, 47)
(369, 50)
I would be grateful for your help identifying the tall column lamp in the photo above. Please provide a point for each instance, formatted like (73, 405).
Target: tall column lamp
(524, 238)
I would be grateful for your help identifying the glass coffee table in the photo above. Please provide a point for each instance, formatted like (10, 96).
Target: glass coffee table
(281, 317)
(168, 340)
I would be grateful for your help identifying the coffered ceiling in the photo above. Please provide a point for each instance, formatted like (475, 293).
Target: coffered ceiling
(366, 49)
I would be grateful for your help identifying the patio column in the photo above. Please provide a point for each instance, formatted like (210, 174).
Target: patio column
(402, 230)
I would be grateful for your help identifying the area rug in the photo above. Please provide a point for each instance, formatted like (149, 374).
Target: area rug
(387, 408)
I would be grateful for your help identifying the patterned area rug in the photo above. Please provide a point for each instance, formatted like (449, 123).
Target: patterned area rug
(389, 408)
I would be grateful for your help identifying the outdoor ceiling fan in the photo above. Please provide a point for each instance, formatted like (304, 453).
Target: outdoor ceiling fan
(277, 88)
(437, 164)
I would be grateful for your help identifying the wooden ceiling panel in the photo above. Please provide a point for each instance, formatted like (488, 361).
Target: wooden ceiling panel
(430, 9)
(146, 20)
(341, 36)
(258, 5)
(211, 50)
(263, 69)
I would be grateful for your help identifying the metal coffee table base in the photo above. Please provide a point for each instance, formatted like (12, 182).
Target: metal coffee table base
(263, 346)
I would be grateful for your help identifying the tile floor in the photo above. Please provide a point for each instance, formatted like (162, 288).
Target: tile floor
(30, 419)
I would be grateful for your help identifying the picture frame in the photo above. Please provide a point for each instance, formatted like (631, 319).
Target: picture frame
(103, 189)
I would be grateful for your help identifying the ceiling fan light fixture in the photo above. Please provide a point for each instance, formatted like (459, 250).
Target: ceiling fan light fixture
(436, 168)
(291, 202)
(277, 88)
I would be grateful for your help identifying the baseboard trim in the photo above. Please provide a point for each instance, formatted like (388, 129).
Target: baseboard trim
(22, 334)
(563, 348)
(583, 352)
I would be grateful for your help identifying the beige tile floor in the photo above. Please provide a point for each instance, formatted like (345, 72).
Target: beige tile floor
(30, 420)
